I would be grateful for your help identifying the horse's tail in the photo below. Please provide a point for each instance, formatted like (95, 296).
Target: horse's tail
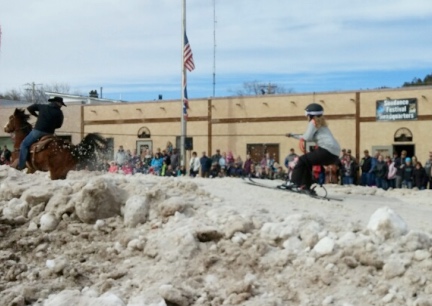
(86, 151)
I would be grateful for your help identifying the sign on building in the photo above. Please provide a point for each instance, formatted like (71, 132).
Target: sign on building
(398, 109)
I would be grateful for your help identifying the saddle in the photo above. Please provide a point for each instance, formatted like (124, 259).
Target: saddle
(41, 144)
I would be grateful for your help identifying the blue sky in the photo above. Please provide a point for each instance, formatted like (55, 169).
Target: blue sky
(133, 48)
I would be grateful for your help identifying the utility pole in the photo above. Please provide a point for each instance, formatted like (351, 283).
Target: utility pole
(33, 90)
(214, 47)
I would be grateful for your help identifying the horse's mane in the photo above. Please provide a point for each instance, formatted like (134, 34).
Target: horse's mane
(20, 113)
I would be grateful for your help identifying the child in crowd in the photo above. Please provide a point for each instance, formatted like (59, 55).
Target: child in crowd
(214, 171)
(170, 172)
(113, 167)
(127, 168)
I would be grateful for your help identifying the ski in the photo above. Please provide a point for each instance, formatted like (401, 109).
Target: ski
(250, 181)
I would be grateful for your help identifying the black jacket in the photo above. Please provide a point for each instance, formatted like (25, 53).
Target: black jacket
(49, 117)
(381, 170)
(419, 177)
(366, 164)
(407, 173)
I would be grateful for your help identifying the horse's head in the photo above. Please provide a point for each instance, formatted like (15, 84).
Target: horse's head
(17, 121)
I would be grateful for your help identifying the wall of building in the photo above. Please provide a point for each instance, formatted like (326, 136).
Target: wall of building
(231, 123)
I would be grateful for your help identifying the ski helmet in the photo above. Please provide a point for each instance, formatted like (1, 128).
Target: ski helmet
(314, 109)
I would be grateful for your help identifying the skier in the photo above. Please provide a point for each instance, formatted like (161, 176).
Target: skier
(326, 153)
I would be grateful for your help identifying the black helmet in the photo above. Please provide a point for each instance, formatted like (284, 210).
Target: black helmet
(314, 109)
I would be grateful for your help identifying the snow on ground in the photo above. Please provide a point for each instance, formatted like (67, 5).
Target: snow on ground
(111, 240)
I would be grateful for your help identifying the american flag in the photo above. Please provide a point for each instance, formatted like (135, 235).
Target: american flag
(188, 63)
(187, 55)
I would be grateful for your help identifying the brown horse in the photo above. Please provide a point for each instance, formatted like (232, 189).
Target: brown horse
(52, 153)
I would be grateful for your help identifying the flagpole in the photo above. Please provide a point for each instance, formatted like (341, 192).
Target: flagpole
(183, 121)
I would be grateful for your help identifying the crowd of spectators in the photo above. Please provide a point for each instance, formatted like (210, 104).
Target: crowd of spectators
(166, 162)
(380, 171)
(386, 172)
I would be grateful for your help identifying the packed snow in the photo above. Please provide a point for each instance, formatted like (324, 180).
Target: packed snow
(143, 240)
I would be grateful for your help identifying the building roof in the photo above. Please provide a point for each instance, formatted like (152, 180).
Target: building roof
(13, 103)
(78, 99)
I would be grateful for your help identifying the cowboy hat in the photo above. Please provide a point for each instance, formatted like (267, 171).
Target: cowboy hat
(57, 99)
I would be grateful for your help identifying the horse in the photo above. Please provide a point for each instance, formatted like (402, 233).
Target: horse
(52, 153)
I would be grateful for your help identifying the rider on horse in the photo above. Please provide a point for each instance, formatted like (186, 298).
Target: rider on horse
(49, 118)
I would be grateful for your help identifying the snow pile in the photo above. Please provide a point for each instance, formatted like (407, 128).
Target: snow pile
(141, 240)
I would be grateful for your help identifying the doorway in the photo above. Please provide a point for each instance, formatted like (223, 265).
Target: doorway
(258, 151)
(407, 147)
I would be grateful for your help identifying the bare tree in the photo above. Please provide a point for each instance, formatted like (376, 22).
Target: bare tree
(57, 87)
(259, 88)
(37, 92)
(12, 94)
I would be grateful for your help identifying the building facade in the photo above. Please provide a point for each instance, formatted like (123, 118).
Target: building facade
(384, 120)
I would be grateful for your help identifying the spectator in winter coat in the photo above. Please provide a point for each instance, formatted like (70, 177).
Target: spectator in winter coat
(205, 163)
(170, 171)
(156, 163)
(214, 172)
(255, 171)
(6, 153)
(223, 162)
(166, 157)
(400, 164)
(127, 168)
(356, 167)
(348, 170)
(113, 167)
(391, 176)
(237, 169)
(194, 164)
(3, 160)
(267, 165)
(381, 171)
(419, 176)
(407, 174)
(428, 169)
(215, 158)
(319, 174)
(247, 165)
(374, 161)
(230, 159)
(121, 156)
(175, 160)
(414, 161)
(169, 148)
(290, 158)
(365, 166)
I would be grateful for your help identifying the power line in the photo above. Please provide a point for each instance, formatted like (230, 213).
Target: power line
(33, 89)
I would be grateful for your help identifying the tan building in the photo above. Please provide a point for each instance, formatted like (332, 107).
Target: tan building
(378, 120)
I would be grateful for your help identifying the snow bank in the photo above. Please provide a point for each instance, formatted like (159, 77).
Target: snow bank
(148, 241)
